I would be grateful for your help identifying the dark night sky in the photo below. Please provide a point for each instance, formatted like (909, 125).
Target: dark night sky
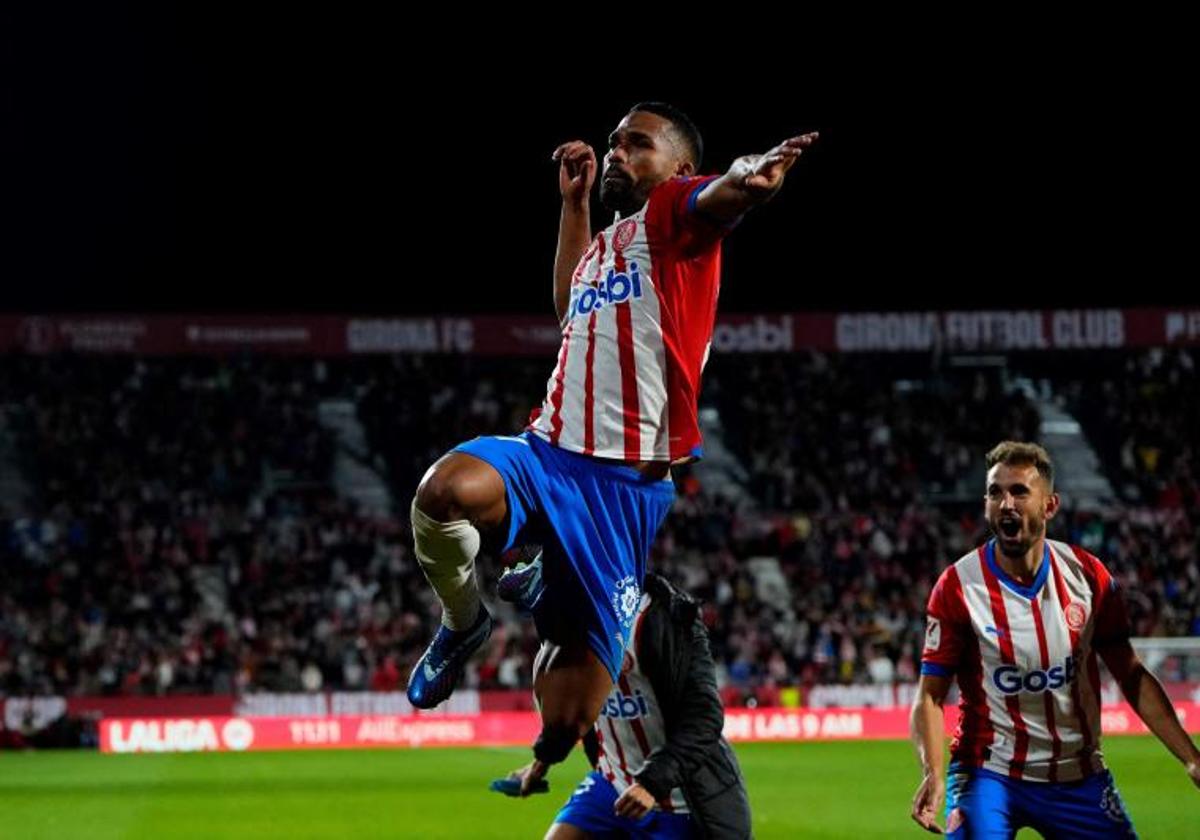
(293, 162)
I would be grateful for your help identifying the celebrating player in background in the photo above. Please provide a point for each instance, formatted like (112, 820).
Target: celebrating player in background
(1019, 622)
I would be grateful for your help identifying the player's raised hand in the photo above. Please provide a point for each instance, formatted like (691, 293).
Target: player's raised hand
(927, 803)
(576, 170)
(763, 174)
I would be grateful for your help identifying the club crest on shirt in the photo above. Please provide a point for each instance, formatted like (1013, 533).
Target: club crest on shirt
(1076, 616)
(624, 235)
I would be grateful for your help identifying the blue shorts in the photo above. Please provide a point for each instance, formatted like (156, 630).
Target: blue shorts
(595, 523)
(590, 808)
(995, 806)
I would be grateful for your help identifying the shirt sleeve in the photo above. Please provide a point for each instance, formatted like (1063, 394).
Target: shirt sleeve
(947, 627)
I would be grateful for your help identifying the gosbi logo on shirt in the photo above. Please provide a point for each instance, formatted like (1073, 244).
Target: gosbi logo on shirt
(933, 634)
(623, 706)
(1012, 680)
(616, 287)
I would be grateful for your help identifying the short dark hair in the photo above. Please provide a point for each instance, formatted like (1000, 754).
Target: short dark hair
(1016, 454)
(681, 123)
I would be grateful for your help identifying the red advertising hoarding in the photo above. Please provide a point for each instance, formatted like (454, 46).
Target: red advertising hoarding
(221, 734)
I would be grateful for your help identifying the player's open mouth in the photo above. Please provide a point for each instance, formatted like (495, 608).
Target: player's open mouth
(1010, 527)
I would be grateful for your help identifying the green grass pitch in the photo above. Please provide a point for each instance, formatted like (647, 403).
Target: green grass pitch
(844, 789)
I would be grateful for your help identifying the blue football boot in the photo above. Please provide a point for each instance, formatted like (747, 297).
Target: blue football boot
(440, 668)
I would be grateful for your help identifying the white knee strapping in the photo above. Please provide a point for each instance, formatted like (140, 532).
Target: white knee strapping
(446, 552)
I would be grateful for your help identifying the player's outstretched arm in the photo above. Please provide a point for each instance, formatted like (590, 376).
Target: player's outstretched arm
(752, 180)
(1147, 697)
(576, 175)
(927, 726)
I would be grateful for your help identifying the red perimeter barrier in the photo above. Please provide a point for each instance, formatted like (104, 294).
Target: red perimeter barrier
(218, 734)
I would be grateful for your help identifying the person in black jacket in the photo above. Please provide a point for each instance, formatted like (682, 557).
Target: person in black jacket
(661, 768)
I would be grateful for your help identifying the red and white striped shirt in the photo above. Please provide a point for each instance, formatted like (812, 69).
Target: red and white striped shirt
(1025, 659)
(631, 725)
(636, 335)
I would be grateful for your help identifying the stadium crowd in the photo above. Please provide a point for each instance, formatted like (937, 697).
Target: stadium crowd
(176, 527)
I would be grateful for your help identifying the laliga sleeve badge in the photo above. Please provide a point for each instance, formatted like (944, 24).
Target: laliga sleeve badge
(933, 634)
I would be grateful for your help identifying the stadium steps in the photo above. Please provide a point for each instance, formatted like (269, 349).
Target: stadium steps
(354, 474)
(1084, 485)
(724, 476)
(720, 471)
(15, 491)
